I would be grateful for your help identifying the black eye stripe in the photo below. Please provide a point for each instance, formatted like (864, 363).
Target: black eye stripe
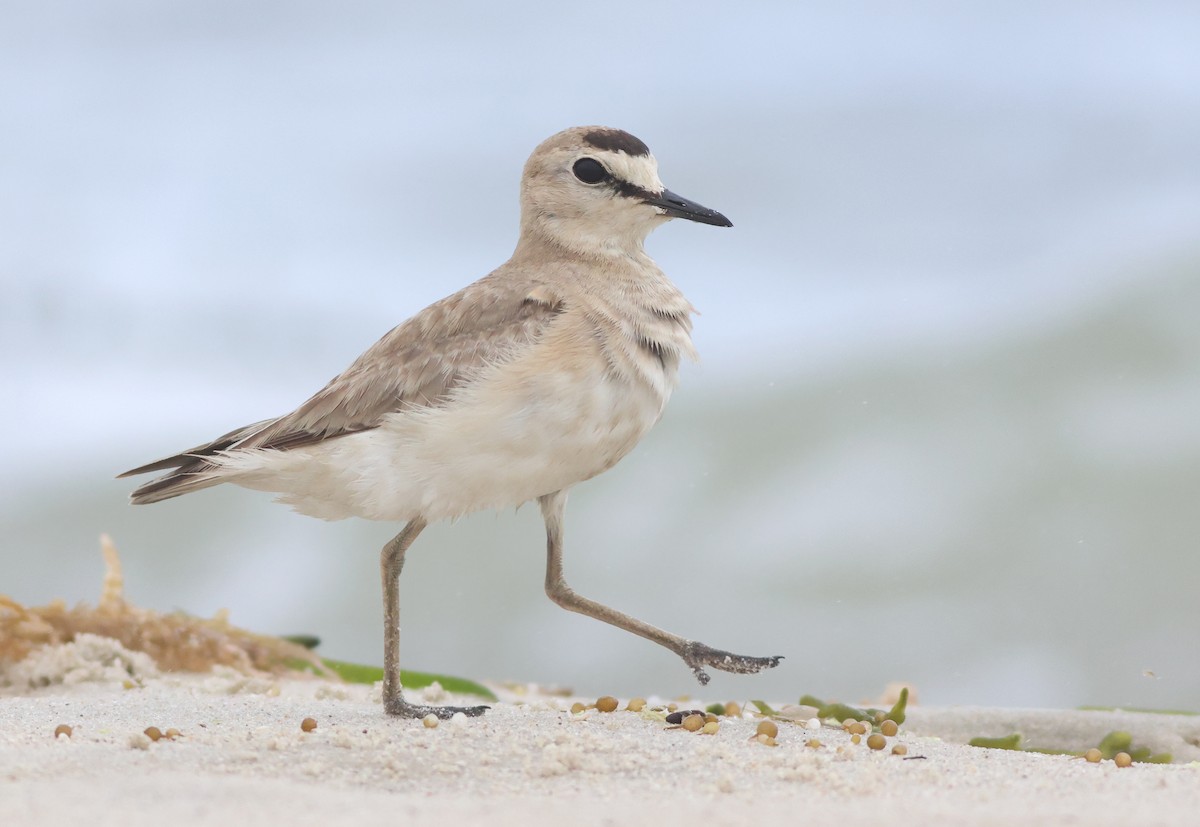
(590, 171)
(634, 191)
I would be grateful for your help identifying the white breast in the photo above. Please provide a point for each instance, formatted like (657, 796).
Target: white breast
(524, 429)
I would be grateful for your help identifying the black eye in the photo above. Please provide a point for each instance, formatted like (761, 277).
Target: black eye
(590, 171)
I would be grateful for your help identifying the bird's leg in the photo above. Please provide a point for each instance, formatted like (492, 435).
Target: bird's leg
(694, 654)
(391, 561)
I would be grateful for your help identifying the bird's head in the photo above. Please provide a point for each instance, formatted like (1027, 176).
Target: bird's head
(595, 191)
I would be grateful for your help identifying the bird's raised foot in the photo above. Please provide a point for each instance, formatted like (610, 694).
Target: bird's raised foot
(403, 709)
(697, 656)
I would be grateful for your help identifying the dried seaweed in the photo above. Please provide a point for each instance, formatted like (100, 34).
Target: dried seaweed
(176, 641)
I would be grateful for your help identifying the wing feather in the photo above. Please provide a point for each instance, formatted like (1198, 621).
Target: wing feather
(415, 365)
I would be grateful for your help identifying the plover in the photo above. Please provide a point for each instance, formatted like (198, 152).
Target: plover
(538, 376)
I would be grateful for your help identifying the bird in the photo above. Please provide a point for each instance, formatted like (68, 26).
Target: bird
(538, 376)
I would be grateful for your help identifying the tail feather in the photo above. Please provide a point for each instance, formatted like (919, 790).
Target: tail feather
(192, 471)
(159, 465)
(182, 481)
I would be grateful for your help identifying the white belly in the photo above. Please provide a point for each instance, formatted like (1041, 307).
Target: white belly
(513, 435)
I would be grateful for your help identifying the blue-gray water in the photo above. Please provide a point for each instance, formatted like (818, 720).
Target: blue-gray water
(947, 426)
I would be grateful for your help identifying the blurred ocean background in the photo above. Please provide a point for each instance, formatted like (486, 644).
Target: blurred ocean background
(946, 429)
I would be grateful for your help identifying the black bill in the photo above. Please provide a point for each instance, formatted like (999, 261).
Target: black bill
(679, 207)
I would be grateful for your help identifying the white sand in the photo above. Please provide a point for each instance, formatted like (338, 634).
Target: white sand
(242, 760)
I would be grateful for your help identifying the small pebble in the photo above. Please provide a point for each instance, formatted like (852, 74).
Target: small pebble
(172, 733)
(876, 741)
(899, 749)
(710, 727)
(768, 728)
(62, 729)
(677, 716)
(1093, 756)
(765, 740)
(858, 728)
(813, 743)
(308, 724)
(856, 738)
(889, 728)
(606, 703)
(733, 710)
(693, 722)
(846, 724)
(577, 707)
(636, 704)
(1122, 759)
(430, 721)
(153, 733)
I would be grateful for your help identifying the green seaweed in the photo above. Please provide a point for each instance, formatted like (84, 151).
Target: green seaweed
(360, 673)
(764, 708)
(1121, 741)
(1004, 742)
(1111, 744)
(896, 713)
(840, 712)
(1114, 742)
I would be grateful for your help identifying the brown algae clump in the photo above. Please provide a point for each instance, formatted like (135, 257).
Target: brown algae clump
(176, 641)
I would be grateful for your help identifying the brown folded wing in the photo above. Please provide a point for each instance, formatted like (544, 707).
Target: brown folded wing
(416, 365)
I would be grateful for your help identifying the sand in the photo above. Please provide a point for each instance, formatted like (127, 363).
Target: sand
(242, 759)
